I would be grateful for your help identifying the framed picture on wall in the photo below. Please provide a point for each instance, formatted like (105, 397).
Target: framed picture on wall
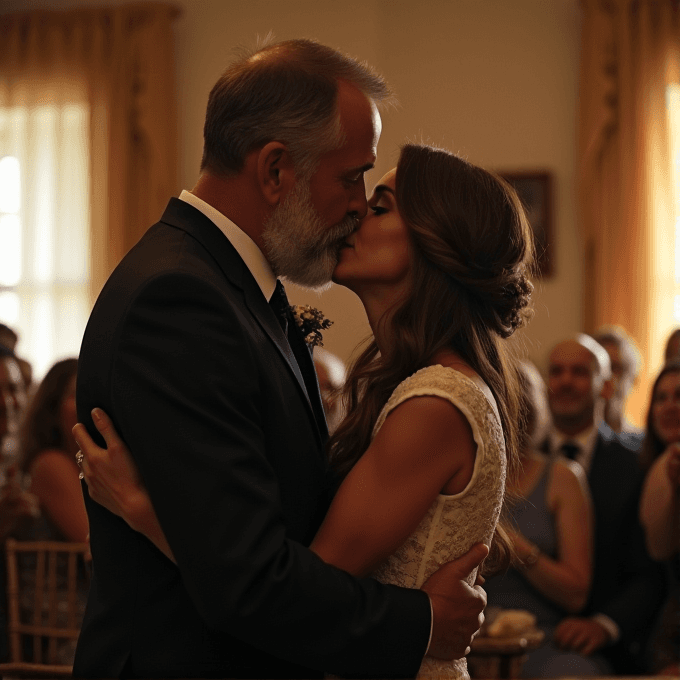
(535, 190)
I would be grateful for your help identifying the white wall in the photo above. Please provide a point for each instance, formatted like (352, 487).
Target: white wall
(495, 80)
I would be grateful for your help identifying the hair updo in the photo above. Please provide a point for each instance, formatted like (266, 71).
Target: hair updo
(470, 225)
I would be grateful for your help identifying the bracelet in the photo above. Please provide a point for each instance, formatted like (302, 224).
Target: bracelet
(531, 559)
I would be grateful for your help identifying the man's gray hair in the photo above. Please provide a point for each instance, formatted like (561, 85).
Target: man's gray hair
(286, 92)
(604, 365)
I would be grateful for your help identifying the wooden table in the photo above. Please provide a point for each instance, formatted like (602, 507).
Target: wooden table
(501, 657)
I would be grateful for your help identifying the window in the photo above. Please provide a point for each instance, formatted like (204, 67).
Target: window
(44, 229)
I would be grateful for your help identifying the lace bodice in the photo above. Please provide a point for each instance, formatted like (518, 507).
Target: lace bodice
(454, 523)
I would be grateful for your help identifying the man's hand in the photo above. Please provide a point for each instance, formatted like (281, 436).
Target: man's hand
(581, 635)
(457, 608)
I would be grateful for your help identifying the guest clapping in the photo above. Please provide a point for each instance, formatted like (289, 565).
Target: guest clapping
(48, 449)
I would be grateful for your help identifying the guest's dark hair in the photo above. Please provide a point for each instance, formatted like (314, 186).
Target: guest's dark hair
(287, 92)
(8, 333)
(472, 255)
(673, 338)
(7, 352)
(41, 425)
(652, 445)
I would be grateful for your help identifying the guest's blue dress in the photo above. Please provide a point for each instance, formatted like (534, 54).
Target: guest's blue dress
(510, 590)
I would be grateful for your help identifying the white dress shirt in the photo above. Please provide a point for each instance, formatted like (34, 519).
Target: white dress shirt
(247, 248)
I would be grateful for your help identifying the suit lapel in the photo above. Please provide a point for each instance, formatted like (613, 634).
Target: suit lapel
(184, 216)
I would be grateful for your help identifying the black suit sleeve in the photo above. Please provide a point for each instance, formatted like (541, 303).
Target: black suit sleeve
(187, 395)
(641, 589)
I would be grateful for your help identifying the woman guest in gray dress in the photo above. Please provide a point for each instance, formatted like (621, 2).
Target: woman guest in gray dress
(553, 534)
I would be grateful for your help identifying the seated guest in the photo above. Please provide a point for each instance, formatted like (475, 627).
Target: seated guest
(17, 507)
(48, 458)
(330, 371)
(553, 542)
(624, 358)
(48, 454)
(628, 587)
(660, 508)
(12, 401)
(9, 340)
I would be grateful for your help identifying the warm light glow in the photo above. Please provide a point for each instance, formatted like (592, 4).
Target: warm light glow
(673, 104)
(10, 250)
(9, 308)
(44, 238)
(10, 190)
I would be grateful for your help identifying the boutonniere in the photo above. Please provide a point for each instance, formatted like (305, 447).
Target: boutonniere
(311, 322)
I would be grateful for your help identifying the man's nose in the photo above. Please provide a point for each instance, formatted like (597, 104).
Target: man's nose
(358, 205)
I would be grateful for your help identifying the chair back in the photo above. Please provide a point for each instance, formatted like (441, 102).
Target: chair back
(43, 607)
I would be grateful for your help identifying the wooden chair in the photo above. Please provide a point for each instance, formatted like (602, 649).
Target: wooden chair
(46, 572)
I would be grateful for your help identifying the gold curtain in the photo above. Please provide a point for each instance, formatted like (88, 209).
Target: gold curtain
(630, 54)
(120, 60)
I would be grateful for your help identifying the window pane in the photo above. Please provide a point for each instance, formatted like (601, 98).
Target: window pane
(9, 308)
(9, 185)
(10, 250)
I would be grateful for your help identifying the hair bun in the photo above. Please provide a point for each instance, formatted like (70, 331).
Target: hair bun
(518, 312)
(505, 300)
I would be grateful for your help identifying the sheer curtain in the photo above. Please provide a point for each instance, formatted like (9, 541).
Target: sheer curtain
(87, 115)
(630, 57)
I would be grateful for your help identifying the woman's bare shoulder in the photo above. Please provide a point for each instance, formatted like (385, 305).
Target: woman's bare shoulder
(568, 476)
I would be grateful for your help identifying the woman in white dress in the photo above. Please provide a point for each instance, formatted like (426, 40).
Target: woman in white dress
(441, 263)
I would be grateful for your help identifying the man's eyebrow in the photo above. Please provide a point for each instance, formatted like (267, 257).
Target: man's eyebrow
(363, 168)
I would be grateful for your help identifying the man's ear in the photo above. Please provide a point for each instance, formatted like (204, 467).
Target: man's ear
(275, 172)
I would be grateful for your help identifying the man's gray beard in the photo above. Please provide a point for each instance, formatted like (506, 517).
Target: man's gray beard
(298, 245)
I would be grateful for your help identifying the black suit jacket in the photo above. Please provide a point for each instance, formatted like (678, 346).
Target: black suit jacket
(627, 585)
(184, 353)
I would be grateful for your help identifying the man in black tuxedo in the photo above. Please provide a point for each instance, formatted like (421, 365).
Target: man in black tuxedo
(190, 351)
(627, 587)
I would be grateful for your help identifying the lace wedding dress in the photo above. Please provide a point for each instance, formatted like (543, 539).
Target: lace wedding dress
(453, 524)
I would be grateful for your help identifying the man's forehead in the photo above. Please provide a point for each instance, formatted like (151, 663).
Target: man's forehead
(572, 354)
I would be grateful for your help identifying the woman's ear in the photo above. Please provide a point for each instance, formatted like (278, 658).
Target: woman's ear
(275, 172)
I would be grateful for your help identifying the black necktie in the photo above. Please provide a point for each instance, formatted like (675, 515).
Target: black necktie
(281, 307)
(279, 303)
(570, 450)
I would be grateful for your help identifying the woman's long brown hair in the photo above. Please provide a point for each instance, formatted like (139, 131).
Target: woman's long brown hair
(472, 254)
(40, 428)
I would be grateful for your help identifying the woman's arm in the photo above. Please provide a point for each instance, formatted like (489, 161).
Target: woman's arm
(424, 445)
(566, 579)
(113, 481)
(54, 480)
(660, 505)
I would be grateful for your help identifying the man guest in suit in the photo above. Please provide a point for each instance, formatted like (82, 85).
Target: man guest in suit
(214, 392)
(627, 587)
